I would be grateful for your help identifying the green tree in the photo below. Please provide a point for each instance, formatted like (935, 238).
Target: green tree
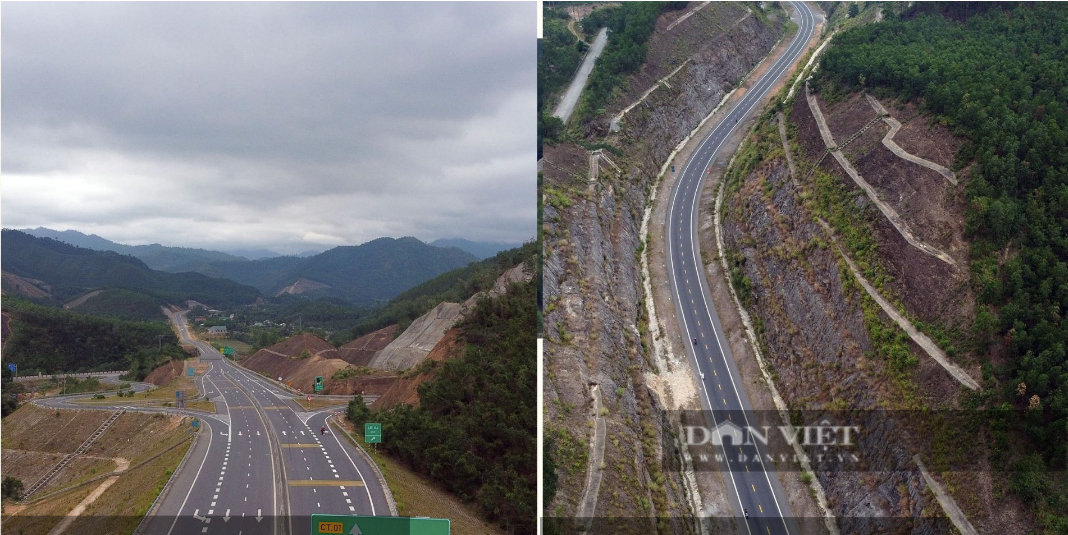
(358, 413)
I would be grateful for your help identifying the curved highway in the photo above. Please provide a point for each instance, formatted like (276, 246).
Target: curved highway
(723, 395)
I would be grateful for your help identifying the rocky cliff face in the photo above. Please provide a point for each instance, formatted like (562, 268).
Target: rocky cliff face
(830, 348)
(596, 354)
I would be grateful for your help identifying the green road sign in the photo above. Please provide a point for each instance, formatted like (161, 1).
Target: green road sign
(228, 350)
(377, 525)
(372, 433)
(319, 383)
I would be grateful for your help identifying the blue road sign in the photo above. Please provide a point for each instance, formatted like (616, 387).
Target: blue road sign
(12, 366)
(189, 371)
(196, 423)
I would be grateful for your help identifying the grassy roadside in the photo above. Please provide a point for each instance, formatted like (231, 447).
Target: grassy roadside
(417, 496)
(151, 460)
(240, 348)
(162, 396)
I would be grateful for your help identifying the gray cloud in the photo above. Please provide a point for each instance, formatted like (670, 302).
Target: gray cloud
(269, 124)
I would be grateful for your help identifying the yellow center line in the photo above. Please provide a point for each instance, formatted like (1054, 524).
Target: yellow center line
(761, 508)
(754, 487)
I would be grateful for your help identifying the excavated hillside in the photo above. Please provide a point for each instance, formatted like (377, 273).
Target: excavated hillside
(372, 363)
(604, 425)
(298, 360)
(360, 351)
(419, 339)
(811, 251)
(406, 388)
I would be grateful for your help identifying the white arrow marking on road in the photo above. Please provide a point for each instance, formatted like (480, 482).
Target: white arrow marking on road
(259, 515)
(226, 517)
(198, 517)
(355, 530)
(283, 432)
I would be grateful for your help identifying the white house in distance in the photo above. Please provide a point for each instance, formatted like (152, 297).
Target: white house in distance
(217, 331)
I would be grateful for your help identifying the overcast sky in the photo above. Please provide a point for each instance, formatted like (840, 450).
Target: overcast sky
(290, 126)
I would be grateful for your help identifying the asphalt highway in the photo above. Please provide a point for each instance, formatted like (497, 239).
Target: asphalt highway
(722, 394)
(262, 464)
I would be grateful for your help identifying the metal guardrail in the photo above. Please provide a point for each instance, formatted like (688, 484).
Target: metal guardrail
(43, 376)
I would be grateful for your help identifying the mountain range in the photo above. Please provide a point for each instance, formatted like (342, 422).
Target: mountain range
(178, 259)
(64, 271)
(365, 275)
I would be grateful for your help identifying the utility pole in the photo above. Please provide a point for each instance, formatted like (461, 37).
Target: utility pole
(160, 343)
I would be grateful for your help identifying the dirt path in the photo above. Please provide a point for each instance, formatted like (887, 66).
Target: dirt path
(614, 125)
(786, 148)
(948, 505)
(687, 15)
(121, 466)
(571, 28)
(588, 506)
(888, 212)
(921, 339)
(888, 142)
(82, 299)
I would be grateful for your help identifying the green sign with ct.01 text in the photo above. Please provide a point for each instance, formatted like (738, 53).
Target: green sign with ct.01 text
(372, 433)
(377, 525)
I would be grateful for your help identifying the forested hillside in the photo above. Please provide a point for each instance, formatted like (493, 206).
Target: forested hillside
(155, 256)
(72, 270)
(999, 76)
(473, 431)
(454, 286)
(50, 340)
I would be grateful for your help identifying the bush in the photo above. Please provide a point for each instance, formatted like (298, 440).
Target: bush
(358, 413)
(11, 488)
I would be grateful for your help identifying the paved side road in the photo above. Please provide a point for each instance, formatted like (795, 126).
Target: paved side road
(571, 96)
(723, 396)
